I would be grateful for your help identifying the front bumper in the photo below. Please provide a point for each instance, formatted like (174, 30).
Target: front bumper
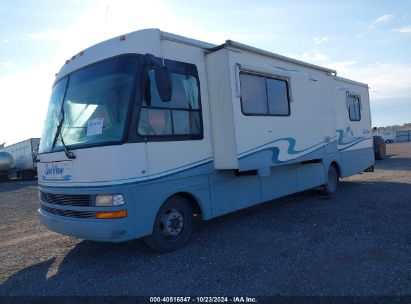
(104, 230)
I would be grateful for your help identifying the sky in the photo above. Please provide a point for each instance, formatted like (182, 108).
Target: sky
(367, 41)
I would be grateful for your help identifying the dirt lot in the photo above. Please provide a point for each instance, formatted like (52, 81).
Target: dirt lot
(356, 243)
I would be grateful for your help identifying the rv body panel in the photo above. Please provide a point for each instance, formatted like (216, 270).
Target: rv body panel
(117, 164)
(354, 136)
(247, 142)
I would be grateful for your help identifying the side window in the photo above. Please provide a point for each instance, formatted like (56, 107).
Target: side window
(354, 107)
(264, 96)
(253, 94)
(180, 117)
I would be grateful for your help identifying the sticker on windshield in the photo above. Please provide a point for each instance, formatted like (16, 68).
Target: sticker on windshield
(95, 126)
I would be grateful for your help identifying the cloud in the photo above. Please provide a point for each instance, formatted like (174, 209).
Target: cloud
(26, 94)
(381, 19)
(386, 81)
(6, 40)
(405, 29)
(49, 34)
(312, 56)
(6, 64)
(319, 40)
(123, 16)
(340, 66)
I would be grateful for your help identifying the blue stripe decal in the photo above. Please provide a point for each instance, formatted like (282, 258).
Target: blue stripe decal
(346, 140)
(353, 144)
(147, 178)
(291, 147)
(276, 152)
(63, 179)
(342, 140)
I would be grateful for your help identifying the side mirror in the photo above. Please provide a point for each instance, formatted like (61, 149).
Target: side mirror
(164, 82)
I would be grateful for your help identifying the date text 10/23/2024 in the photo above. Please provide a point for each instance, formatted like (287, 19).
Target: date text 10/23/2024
(203, 300)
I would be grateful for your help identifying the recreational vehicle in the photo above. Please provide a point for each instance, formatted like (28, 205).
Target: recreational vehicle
(145, 130)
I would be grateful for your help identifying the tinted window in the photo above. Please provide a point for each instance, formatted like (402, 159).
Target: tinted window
(95, 107)
(184, 95)
(277, 93)
(253, 94)
(180, 116)
(264, 96)
(354, 110)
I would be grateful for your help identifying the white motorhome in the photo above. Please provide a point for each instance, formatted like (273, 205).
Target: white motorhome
(146, 129)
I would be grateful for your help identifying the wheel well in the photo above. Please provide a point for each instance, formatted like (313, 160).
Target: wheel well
(337, 167)
(192, 200)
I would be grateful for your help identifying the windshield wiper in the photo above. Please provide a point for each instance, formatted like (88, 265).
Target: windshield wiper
(68, 153)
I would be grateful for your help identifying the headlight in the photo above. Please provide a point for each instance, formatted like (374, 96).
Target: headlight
(118, 200)
(109, 200)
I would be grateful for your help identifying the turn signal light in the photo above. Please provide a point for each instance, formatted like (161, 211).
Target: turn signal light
(111, 214)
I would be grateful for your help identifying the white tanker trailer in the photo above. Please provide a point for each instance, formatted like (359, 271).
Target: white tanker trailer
(18, 161)
(6, 161)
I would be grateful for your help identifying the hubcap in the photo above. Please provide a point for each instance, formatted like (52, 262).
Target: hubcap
(172, 223)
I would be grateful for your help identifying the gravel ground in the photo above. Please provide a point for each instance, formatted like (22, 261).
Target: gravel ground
(355, 243)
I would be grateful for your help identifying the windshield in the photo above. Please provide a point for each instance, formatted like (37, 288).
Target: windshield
(95, 103)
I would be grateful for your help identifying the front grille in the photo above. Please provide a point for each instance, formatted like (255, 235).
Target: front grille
(66, 199)
(69, 213)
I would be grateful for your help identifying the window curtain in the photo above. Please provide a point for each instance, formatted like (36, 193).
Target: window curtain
(191, 90)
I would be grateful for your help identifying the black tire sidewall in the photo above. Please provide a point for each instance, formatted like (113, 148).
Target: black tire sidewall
(327, 189)
(157, 240)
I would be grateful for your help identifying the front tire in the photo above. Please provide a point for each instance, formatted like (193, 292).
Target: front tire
(332, 181)
(173, 225)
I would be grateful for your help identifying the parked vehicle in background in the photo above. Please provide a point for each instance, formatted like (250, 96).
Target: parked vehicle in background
(403, 135)
(24, 154)
(146, 129)
(380, 151)
(6, 161)
(388, 136)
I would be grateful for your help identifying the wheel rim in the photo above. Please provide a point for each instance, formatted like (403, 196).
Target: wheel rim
(172, 223)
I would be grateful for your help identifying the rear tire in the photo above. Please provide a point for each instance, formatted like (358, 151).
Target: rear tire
(382, 151)
(173, 225)
(332, 181)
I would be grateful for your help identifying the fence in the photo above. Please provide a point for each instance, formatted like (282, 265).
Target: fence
(401, 136)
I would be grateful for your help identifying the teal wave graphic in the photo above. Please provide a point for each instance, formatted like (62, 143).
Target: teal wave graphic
(291, 150)
(343, 140)
(346, 141)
